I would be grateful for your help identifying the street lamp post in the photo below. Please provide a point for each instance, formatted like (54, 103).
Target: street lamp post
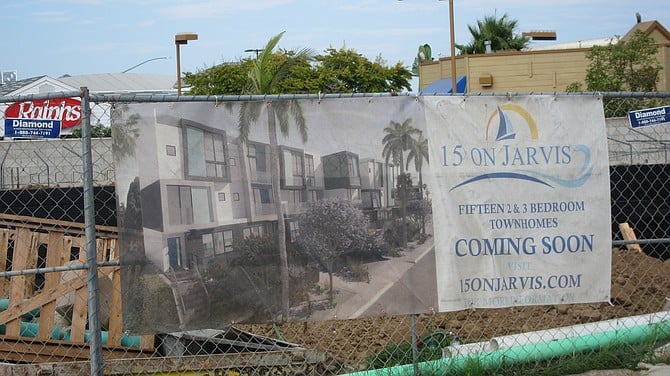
(452, 43)
(452, 46)
(180, 39)
(256, 50)
(144, 62)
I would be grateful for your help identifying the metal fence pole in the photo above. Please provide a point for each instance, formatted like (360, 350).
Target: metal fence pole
(415, 346)
(94, 327)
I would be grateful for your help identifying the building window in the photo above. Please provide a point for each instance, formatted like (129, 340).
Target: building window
(218, 242)
(205, 154)
(310, 178)
(222, 196)
(312, 196)
(174, 248)
(258, 157)
(170, 150)
(294, 231)
(371, 199)
(227, 240)
(294, 169)
(352, 162)
(262, 196)
(297, 164)
(379, 178)
(189, 205)
(236, 197)
(253, 230)
(295, 196)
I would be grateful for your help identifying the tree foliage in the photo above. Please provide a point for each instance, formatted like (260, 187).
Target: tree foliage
(346, 71)
(124, 132)
(418, 153)
(424, 54)
(227, 78)
(330, 228)
(97, 130)
(628, 65)
(399, 138)
(336, 71)
(501, 31)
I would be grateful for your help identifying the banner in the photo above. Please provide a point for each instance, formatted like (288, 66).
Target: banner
(521, 201)
(389, 206)
(200, 187)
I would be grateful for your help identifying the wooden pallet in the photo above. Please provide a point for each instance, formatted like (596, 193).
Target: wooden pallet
(23, 240)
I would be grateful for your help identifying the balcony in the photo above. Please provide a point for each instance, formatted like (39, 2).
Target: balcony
(264, 209)
(296, 207)
(342, 182)
(260, 177)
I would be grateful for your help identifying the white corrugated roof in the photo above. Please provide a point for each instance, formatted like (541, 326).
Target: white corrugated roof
(122, 82)
(577, 44)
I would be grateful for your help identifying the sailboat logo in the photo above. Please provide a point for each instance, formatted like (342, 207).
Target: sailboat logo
(506, 132)
(505, 127)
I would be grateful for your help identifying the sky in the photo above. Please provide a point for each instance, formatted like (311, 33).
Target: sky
(75, 37)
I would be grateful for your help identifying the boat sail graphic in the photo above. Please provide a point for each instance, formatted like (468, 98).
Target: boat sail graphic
(505, 129)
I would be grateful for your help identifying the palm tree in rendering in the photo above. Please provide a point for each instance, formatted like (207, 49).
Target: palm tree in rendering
(264, 78)
(398, 139)
(418, 153)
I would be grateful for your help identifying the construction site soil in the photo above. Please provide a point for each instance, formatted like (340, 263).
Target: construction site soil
(640, 284)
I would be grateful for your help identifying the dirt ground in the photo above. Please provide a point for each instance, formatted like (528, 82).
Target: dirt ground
(640, 284)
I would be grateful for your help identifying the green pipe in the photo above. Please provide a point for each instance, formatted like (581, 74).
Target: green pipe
(532, 352)
(126, 341)
(30, 329)
(4, 304)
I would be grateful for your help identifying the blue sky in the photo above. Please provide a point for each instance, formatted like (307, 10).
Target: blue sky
(49, 37)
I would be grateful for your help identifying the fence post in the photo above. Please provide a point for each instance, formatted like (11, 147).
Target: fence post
(94, 327)
(415, 345)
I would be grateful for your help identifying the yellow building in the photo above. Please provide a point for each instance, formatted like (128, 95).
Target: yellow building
(545, 69)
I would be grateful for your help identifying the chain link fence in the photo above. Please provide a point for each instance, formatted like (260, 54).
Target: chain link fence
(45, 301)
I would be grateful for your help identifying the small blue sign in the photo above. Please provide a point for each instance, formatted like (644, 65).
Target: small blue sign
(649, 116)
(32, 128)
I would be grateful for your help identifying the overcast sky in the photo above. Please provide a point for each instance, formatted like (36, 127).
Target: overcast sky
(57, 37)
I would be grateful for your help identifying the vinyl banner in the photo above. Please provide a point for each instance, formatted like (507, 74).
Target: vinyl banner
(201, 185)
(521, 201)
(388, 206)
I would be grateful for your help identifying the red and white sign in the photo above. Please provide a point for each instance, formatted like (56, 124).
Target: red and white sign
(67, 110)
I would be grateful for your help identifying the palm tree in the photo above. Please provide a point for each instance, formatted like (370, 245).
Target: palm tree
(124, 132)
(418, 152)
(397, 140)
(424, 54)
(263, 79)
(499, 31)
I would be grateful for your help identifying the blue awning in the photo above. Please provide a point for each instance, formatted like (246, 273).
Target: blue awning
(443, 86)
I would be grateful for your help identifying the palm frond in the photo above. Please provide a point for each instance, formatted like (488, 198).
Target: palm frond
(249, 113)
